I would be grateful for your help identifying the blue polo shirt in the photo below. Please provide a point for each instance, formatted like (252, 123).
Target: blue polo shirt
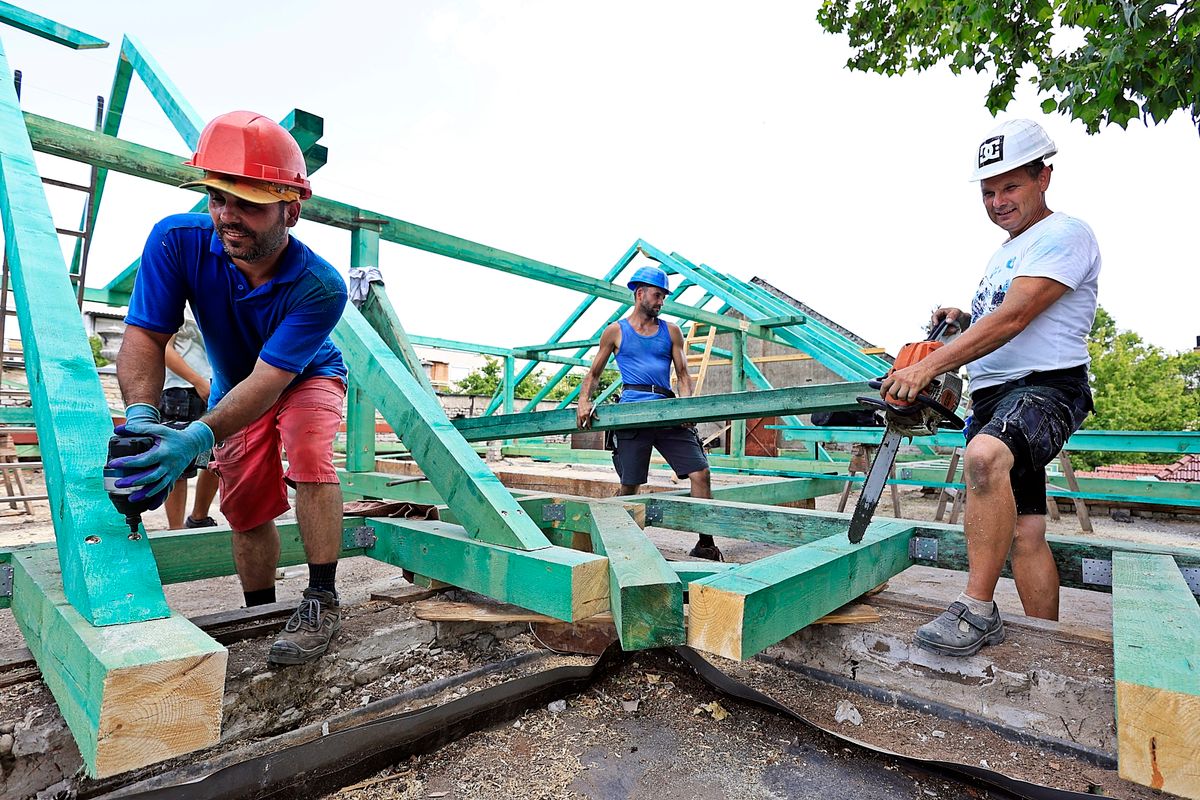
(286, 322)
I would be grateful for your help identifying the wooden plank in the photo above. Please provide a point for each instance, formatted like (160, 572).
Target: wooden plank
(645, 596)
(1156, 664)
(378, 311)
(482, 504)
(741, 612)
(199, 553)
(109, 577)
(376, 484)
(787, 490)
(556, 581)
(450, 611)
(783, 526)
(132, 695)
(48, 29)
(707, 408)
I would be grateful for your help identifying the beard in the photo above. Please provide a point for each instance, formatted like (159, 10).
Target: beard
(253, 246)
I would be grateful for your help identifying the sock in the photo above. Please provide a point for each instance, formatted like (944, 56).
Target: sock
(259, 597)
(981, 608)
(321, 576)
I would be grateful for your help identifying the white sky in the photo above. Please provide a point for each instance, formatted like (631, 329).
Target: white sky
(564, 132)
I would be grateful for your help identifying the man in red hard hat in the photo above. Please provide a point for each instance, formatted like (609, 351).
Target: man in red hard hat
(265, 305)
(645, 348)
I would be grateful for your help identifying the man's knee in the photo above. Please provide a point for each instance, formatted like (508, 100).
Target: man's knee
(701, 476)
(1030, 533)
(988, 462)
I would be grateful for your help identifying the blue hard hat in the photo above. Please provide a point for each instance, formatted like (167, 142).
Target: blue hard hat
(649, 276)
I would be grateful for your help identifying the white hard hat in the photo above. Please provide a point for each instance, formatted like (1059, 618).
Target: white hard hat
(1010, 145)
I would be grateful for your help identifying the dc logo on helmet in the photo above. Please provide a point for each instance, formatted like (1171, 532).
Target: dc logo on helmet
(991, 151)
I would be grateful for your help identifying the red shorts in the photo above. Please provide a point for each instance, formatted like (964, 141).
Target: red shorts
(249, 464)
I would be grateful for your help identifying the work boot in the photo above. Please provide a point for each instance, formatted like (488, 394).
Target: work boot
(192, 522)
(706, 551)
(307, 634)
(958, 632)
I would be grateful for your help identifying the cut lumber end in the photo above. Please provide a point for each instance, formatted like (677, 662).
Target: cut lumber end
(589, 589)
(1165, 757)
(152, 712)
(715, 619)
(650, 616)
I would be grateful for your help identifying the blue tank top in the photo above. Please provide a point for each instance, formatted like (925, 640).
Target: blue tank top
(644, 359)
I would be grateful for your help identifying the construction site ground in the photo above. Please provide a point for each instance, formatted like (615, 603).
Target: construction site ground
(649, 725)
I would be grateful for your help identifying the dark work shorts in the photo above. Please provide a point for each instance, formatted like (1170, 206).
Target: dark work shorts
(182, 404)
(680, 446)
(1034, 416)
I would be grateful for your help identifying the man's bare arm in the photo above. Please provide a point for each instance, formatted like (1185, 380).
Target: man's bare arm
(679, 359)
(141, 365)
(609, 342)
(249, 400)
(1025, 300)
(176, 364)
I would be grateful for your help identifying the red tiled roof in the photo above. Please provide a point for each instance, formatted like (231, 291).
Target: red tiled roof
(1184, 470)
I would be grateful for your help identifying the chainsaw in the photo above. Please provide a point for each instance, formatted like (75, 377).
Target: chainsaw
(934, 408)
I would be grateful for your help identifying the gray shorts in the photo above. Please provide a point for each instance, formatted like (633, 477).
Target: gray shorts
(1034, 417)
(680, 446)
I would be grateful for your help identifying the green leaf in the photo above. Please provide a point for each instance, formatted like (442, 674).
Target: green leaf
(1049, 105)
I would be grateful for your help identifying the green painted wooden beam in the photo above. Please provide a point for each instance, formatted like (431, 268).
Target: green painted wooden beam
(199, 553)
(551, 346)
(565, 584)
(1117, 441)
(388, 486)
(109, 577)
(739, 613)
(794, 526)
(132, 695)
(783, 321)
(645, 595)
(561, 331)
(47, 28)
(378, 311)
(773, 493)
(80, 144)
(360, 413)
(660, 413)
(1156, 665)
(484, 506)
(16, 415)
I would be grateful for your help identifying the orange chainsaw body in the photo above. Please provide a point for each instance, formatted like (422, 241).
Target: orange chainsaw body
(910, 354)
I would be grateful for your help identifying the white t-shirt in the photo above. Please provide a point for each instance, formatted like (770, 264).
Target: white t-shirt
(189, 344)
(1059, 247)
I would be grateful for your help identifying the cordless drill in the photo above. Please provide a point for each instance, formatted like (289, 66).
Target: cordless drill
(121, 445)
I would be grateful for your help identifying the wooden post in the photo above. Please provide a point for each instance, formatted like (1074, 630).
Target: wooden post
(737, 446)
(360, 413)
(1081, 510)
(108, 575)
(1156, 664)
(484, 506)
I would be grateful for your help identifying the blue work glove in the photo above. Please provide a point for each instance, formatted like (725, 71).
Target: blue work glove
(162, 464)
(139, 417)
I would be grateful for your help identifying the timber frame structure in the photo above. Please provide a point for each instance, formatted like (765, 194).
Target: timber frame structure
(137, 683)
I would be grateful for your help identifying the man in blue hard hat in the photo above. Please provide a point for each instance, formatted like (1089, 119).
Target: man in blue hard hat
(646, 347)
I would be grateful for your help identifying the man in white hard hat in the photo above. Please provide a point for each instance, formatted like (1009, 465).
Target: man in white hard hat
(1026, 356)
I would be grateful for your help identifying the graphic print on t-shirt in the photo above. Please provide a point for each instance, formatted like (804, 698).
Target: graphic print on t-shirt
(992, 289)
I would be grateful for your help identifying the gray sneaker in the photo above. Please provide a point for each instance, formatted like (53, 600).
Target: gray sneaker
(958, 632)
(307, 634)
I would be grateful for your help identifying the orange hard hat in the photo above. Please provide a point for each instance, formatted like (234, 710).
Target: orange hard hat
(244, 144)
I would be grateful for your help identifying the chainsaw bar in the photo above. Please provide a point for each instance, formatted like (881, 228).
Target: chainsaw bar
(872, 489)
